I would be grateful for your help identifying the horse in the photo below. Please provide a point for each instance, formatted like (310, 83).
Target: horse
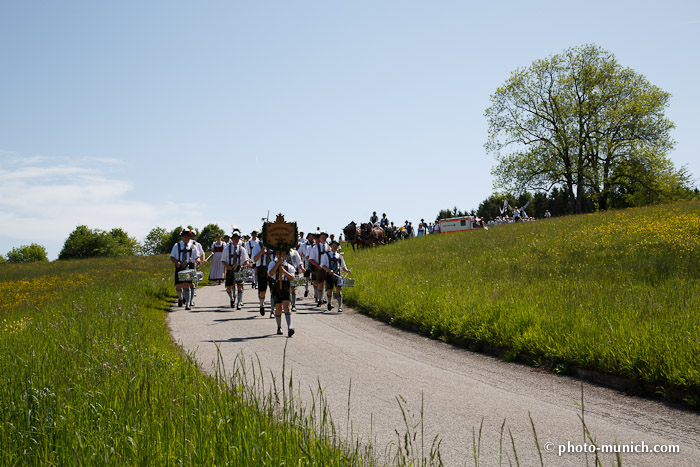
(371, 234)
(352, 235)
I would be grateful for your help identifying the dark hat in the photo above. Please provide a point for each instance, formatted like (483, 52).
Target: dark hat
(236, 233)
(335, 242)
(187, 233)
(323, 233)
(255, 232)
(192, 233)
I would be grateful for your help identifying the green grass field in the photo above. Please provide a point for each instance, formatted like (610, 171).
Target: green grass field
(618, 292)
(89, 375)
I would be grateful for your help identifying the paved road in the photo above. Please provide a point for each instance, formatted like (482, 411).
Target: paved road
(375, 363)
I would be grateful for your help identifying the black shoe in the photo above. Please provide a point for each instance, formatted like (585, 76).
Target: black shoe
(191, 303)
(272, 314)
(318, 304)
(188, 307)
(294, 308)
(279, 331)
(179, 302)
(306, 293)
(290, 333)
(340, 310)
(262, 311)
(324, 300)
(232, 304)
(329, 307)
(239, 306)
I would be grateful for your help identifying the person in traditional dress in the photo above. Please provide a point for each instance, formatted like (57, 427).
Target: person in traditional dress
(262, 257)
(183, 256)
(295, 259)
(374, 220)
(384, 221)
(249, 247)
(234, 258)
(201, 259)
(216, 273)
(304, 250)
(333, 264)
(317, 251)
(281, 273)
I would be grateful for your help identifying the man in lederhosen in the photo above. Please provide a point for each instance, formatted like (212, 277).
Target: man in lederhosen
(281, 272)
(249, 247)
(333, 263)
(262, 257)
(295, 259)
(234, 257)
(304, 251)
(317, 251)
(183, 257)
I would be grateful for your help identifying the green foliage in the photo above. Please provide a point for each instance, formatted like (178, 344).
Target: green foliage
(580, 121)
(2, 259)
(618, 291)
(208, 235)
(90, 375)
(27, 254)
(156, 242)
(86, 243)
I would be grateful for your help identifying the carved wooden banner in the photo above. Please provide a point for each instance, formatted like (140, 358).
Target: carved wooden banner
(280, 235)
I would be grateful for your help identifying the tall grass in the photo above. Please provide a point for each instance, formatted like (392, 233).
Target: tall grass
(618, 292)
(89, 375)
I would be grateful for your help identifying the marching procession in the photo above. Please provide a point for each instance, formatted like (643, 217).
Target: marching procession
(313, 262)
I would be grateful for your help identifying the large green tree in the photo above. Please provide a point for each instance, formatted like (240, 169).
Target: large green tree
(582, 122)
(85, 243)
(27, 254)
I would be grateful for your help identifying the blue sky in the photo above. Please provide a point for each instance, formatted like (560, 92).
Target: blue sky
(143, 114)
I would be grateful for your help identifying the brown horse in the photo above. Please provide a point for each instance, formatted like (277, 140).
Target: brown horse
(352, 235)
(371, 234)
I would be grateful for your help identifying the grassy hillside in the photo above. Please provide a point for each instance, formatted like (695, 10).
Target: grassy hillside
(617, 292)
(89, 375)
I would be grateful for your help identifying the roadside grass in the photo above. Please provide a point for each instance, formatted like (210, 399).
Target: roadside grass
(90, 375)
(617, 292)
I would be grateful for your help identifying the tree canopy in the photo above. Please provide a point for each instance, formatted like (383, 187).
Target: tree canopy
(582, 122)
(27, 254)
(85, 243)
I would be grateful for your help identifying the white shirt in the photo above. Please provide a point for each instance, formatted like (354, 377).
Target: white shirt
(314, 252)
(294, 258)
(287, 266)
(326, 260)
(249, 245)
(264, 259)
(200, 250)
(184, 253)
(234, 255)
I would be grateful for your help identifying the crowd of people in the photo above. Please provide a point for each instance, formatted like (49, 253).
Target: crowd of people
(315, 262)
(406, 230)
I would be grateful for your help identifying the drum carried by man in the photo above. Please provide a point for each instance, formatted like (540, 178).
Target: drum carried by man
(184, 255)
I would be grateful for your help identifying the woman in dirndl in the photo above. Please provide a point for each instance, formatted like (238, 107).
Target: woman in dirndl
(217, 268)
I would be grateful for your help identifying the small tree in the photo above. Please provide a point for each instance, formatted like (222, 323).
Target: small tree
(156, 242)
(2, 259)
(208, 235)
(27, 254)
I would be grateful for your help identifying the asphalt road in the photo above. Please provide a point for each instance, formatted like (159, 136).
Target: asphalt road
(368, 365)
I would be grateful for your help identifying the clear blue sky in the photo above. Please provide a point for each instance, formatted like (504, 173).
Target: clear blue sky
(143, 114)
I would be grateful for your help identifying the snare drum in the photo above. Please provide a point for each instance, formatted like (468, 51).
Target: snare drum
(298, 282)
(239, 277)
(345, 282)
(186, 275)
